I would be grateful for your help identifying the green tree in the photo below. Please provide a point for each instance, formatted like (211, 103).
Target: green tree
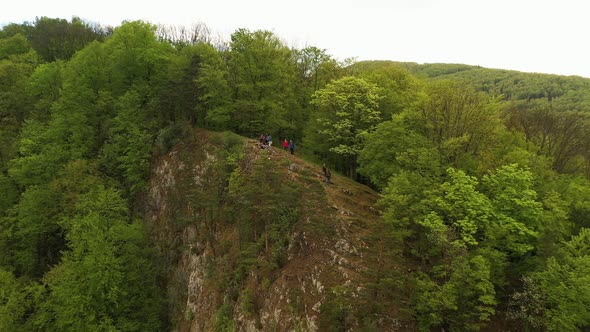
(15, 102)
(55, 38)
(400, 88)
(44, 86)
(465, 302)
(313, 64)
(105, 281)
(127, 152)
(261, 74)
(560, 135)
(457, 120)
(347, 111)
(557, 297)
(14, 46)
(215, 99)
(17, 300)
(395, 146)
(518, 214)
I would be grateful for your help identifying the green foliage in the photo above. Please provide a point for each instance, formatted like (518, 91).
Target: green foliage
(315, 69)
(556, 298)
(248, 302)
(169, 136)
(464, 302)
(54, 38)
(336, 310)
(35, 236)
(14, 45)
(44, 85)
(104, 281)
(214, 109)
(224, 319)
(347, 111)
(457, 120)
(261, 70)
(16, 302)
(394, 146)
(560, 135)
(15, 102)
(519, 214)
(127, 153)
(577, 195)
(469, 236)
(9, 194)
(399, 88)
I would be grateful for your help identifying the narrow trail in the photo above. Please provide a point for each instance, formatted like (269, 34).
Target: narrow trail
(359, 199)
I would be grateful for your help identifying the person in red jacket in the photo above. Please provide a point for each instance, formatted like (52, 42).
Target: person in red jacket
(285, 144)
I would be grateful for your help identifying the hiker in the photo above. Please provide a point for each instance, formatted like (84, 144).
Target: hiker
(328, 176)
(269, 140)
(262, 141)
(285, 144)
(324, 169)
(291, 146)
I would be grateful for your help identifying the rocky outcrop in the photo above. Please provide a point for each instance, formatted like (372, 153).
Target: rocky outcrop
(325, 247)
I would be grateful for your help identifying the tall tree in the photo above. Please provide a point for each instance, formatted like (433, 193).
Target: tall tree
(560, 135)
(261, 75)
(55, 38)
(105, 281)
(346, 111)
(458, 120)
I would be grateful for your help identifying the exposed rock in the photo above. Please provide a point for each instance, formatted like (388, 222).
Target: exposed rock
(318, 257)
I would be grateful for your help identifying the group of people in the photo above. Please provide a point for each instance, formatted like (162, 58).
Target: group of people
(266, 142)
(289, 145)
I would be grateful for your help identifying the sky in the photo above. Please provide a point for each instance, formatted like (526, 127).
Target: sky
(526, 35)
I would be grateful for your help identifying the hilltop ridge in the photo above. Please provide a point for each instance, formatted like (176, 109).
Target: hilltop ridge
(325, 250)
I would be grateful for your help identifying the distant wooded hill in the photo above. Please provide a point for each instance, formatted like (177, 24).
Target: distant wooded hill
(566, 92)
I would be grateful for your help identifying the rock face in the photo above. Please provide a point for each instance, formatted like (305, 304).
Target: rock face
(325, 249)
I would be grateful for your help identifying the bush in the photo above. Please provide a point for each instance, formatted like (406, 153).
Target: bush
(223, 318)
(170, 136)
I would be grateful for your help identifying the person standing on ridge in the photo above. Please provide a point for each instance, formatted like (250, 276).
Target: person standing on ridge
(285, 145)
(292, 146)
(269, 140)
(328, 176)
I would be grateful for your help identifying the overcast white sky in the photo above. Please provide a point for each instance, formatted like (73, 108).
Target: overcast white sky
(527, 35)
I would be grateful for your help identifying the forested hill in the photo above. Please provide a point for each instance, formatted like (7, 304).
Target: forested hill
(123, 166)
(567, 92)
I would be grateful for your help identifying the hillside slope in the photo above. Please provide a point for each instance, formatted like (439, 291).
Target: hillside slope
(220, 277)
(564, 92)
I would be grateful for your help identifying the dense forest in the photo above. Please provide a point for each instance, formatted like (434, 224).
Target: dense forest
(483, 173)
